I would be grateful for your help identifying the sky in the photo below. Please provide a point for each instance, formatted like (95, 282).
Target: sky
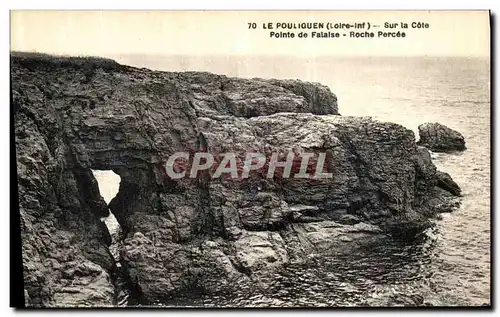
(109, 33)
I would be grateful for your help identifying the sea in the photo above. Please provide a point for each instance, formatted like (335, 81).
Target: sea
(450, 264)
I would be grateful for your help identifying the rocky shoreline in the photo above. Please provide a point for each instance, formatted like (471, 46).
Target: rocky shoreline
(201, 235)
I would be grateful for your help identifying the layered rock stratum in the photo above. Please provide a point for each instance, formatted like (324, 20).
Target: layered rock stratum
(204, 235)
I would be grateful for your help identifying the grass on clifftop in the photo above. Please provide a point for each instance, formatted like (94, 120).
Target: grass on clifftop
(33, 60)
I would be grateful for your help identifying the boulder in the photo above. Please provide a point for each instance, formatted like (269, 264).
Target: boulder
(439, 138)
(206, 234)
(445, 181)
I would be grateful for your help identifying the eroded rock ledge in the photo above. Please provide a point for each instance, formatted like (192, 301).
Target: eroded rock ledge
(208, 235)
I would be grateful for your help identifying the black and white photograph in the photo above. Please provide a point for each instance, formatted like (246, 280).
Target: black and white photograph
(251, 159)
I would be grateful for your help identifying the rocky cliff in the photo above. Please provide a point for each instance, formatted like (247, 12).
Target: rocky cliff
(439, 138)
(206, 234)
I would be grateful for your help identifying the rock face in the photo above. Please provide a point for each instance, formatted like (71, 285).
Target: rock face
(206, 234)
(439, 138)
